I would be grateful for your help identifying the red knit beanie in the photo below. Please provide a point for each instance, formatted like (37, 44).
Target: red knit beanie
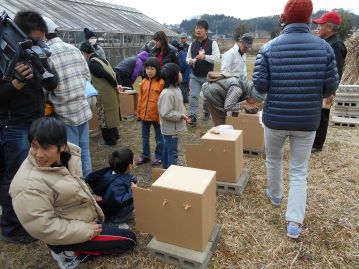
(298, 11)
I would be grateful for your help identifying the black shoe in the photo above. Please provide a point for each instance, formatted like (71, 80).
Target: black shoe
(193, 122)
(20, 237)
(314, 150)
(206, 116)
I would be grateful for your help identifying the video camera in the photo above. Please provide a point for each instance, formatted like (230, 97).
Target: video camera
(16, 47)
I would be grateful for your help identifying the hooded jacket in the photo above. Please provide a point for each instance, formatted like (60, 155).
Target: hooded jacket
(170, 55)
(132, 66)
(54, 204)
(116, 193)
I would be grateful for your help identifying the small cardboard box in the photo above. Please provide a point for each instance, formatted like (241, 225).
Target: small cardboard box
(128, 103)
(222, 153)
(253, 132)
(94, 125)
(180, 208)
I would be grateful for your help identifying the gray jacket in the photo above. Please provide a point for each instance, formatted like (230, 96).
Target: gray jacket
(216, 92)
(170, 109)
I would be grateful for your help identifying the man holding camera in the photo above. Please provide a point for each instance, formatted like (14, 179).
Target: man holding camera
(21, 102)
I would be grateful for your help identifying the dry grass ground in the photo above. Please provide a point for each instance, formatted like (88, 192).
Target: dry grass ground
(253, 231)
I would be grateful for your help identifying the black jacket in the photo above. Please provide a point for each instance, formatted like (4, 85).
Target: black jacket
(170, 55)
(340, 52)
(22, 107)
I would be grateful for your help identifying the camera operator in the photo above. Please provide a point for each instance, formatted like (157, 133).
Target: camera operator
(21, 102)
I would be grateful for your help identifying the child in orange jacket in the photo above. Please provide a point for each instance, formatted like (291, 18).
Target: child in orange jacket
(147, 110)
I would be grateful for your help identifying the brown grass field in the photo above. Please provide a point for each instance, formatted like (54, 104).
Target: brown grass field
(253, 231)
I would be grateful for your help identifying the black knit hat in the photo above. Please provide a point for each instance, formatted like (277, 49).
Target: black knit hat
(88, 33)
(87, 47)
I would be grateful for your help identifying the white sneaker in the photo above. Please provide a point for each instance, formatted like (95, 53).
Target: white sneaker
(66, 259)
(123, 225)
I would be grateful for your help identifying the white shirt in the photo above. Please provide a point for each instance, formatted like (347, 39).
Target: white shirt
(233, 62)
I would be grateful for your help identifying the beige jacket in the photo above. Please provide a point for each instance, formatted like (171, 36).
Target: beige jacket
(54, 204)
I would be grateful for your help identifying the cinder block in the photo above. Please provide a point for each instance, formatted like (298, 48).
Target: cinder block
(252, 152)
(183, 257)
(235, 188)
(345, 122)
(128, 118)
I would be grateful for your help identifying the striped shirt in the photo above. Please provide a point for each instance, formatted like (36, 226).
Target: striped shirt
(69, 99)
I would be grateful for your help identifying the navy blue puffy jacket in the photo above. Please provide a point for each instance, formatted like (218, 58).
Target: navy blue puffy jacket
(115, 190)
(296, 70)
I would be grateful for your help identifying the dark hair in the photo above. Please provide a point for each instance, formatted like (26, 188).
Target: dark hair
(120, 159)
(202, 23)
(87, 47)
(161, 36)
(169, 74)
(153, 62)
(29, 21)
(48, 131)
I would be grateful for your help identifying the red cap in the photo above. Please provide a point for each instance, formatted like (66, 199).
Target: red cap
(331, 17)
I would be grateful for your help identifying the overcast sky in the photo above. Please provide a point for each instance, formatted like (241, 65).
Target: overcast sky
(178, 10)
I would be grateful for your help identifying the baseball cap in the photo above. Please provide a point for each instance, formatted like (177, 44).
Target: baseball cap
(247, 40)
(183, 35)
(331, 17)
(51, 26)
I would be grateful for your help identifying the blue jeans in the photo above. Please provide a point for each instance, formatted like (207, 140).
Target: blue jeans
(14, 148)
(300, 150)
(146, 128)
(170, 150)
(79, 135)
(195, 85)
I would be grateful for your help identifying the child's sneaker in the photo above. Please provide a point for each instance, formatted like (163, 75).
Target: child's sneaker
(66, 259)
(156, 162)
(294, 230)
(274, 200)
(142, 160)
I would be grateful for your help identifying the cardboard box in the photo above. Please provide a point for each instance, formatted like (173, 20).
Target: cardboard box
(253, 132)
(128, 103)
(180, 208)
(94, 126)
(222, 153)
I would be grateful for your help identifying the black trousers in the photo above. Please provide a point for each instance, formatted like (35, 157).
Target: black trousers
(110, 135)
(125, 79)
(321, 133)
(112, 240)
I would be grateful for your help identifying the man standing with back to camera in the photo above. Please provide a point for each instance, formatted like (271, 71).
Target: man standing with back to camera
(21, 102)
(328, 26)
(296, 70)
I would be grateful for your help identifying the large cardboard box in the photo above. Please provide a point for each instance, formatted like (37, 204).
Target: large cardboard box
(222, 153)
(128, 103)
(253, 132)
(180, 207)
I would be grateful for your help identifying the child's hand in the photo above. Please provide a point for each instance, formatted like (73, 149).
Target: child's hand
(119, 88)
(186, 118)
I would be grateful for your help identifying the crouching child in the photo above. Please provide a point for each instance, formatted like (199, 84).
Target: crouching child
(114, 184)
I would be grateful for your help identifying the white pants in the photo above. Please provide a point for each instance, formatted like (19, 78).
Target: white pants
(300, 150)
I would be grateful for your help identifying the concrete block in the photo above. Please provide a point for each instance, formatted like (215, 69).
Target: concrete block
(345, 122)
(252, 152)
(235, 188)
(183, 257)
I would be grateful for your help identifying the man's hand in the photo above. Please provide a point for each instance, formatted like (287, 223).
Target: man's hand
(24, 71)
(97, 229)
(133, 185)
(201, 55)
(329, 100)
(192, 61)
